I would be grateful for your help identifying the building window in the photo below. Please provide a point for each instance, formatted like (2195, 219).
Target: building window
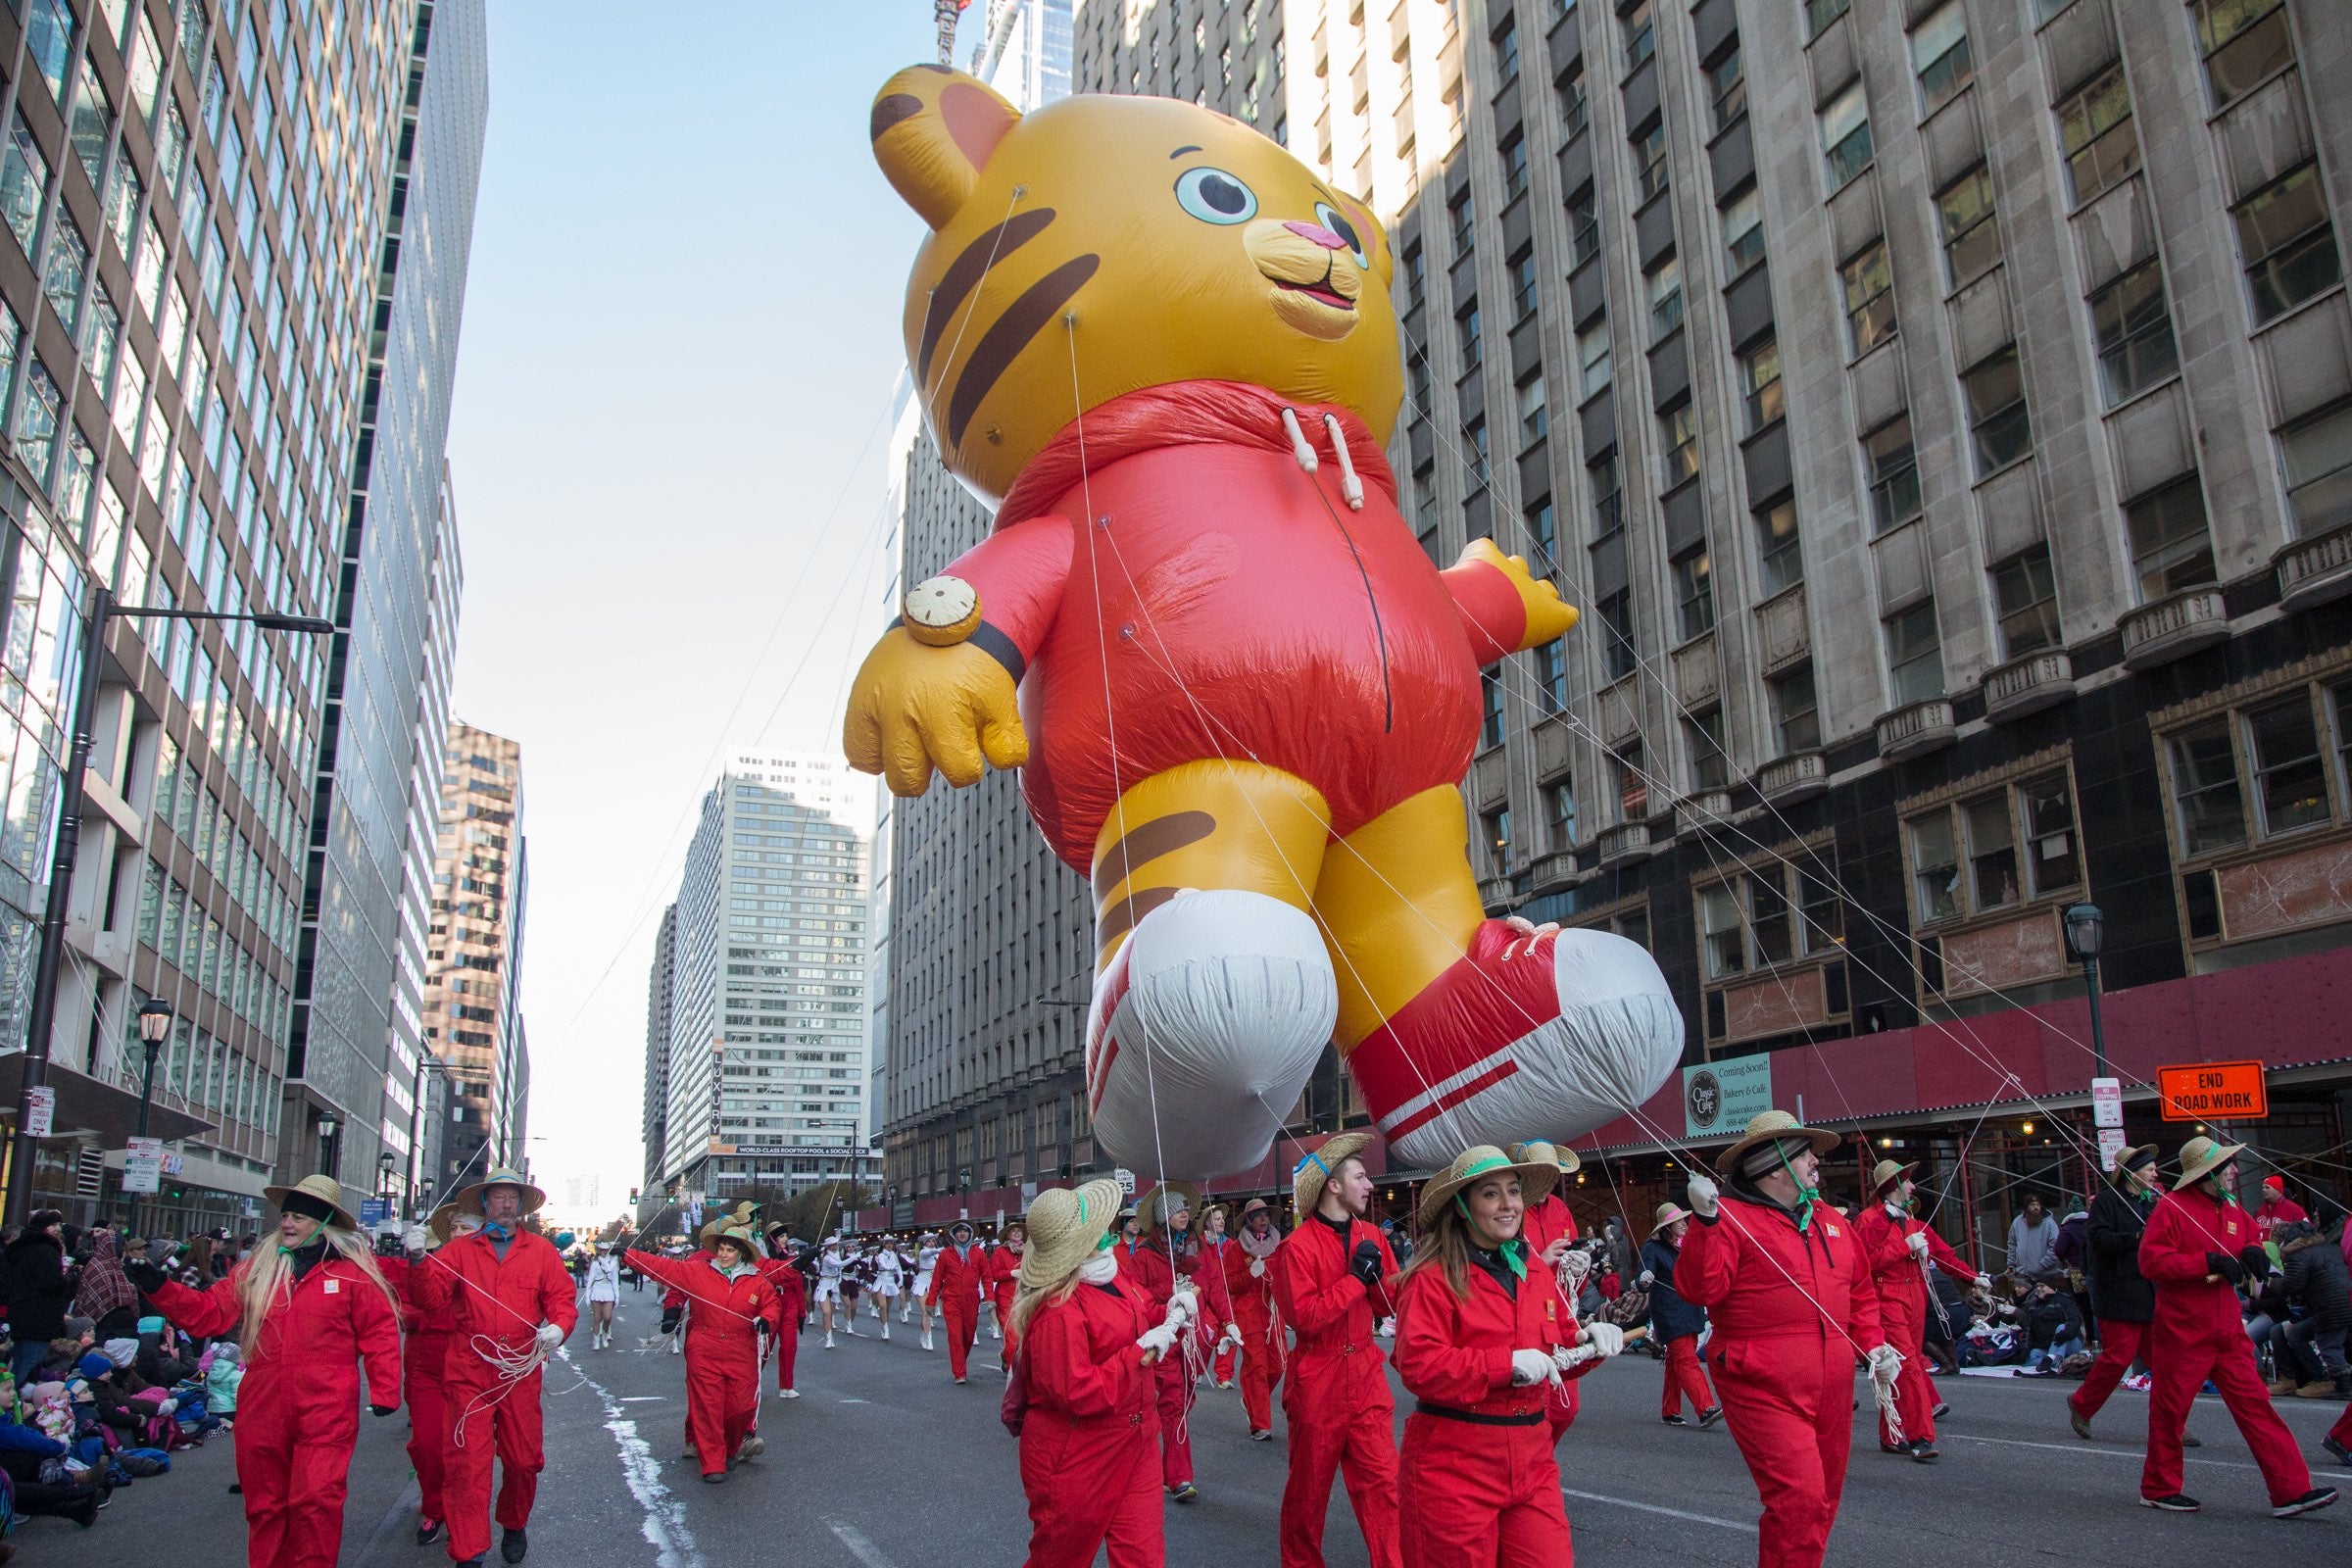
(1608, 511)
(2283, 748)
(1845, 135)
(1495, 827)
(1649, 159)
(2171, 547)
(1665, 299)
(1760, 383)
(1893, 474)
(1514, 169)
(1416, 279)
(1543, 534)
(2097, 135)
(1997, 409)
(1752, 921)
(2026, 593)
(1710, 769)
(2243, 41)
(1560, 813)
(1914, 654)
(1678, 445)
(1473, 343)
(1727, 88)
(1573, 108)
(2289, 248)
(2316, 453)
(1532, 421)
(1551, 677)
(1797, 711)
(1695, 594)
(1584, 228)
(23, 178)
(1819, 14)
(1522, 269)
(1995, 850)
(1720, 920)
(1506, 51)
(1939, 55)
(1869, 298)
(2206, 795)
(1593, 358)
(1617, 634)
(1483, 463)
(2134, 334)
(1782, 561)
(1461, 223)
(1490, 726)
(1743, 233)
(1640, 37)
(1972, 242)
(1633, 784)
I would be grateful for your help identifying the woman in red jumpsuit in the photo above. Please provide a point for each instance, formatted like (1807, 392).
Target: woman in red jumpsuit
(308, 1313)
(1483, 1333)
(1090, 1427)
(783, 1272)
(1209, 1277)
(957, 1282)
(1162, 1265)
(1249, 1284)
(1551, 1230)
(424, 1370)
(1004, 1276)
(730, 1303)
(1785, 1281)
(2198, 1247)
(1898, 1246)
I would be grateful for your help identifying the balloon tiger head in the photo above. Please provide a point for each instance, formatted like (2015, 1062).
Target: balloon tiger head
(1153, 241)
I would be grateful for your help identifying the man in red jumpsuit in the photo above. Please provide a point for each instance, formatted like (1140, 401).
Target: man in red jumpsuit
(1003, 1278)
(1256, 1325)
(1331, 1286)
(507, 1286)
(1551, 1230)
(425, 1362)
(1786, 1284)
(1162, 1265)
(783, 1273)
(1210, 1278)
(1899, 1248)
(2197, 1248)
(730, 1303)
(957, 1280)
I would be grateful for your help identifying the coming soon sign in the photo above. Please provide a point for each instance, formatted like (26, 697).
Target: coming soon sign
(2213, 1091)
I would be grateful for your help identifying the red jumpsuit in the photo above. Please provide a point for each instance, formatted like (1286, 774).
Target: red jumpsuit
(504, 1301)
(1249, 1286)
(1156, 1272)
(1545, 1223)
(1004, 1276)
(424, 1369)
(1088, 1435)
(1784, 1356)
(1903, 1309)
(792, 1297)
(1482, 1489)
(1336, 1391)
(722, 1349)
(298, 1409)
(2199, 1334)
(957, 1280)
(1216, 1302)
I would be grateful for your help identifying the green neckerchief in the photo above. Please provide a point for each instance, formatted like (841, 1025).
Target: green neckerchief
(1513, 1252)
(1806, 1196)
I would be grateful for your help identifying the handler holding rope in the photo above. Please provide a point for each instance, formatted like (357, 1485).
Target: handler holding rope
(1788, 1285)
(1901, 1250)
(733, 1304)
(509, 1298)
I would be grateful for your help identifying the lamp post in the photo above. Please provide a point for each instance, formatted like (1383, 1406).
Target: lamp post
(326, 1146)
(2084, 930)
(41, 1016)
(424, 1202)
(155, 1027)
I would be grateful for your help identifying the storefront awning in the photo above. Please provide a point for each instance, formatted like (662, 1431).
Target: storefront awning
(88, 1107)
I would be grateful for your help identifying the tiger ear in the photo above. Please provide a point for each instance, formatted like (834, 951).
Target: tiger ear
(933, 129)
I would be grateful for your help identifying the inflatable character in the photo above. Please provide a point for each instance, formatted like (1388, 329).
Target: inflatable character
(1240, 695)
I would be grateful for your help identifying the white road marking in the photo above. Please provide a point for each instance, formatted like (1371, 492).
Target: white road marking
(851, 1401)
(665, 1523)
(1671, 1514)
(868, 1555)
(643, 1399)
(2085, 1447)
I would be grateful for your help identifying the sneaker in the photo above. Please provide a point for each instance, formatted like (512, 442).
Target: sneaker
(2137, 1383)
(2311, 1501)
(1710, 1415)
(1262, 1435)
(1186, 1492)
(2282, 1387)
(1923, 1451)
(716, 1478)
(2080, 1422)
(2178, 1502)
(1937, 1414)
(1676, 1420)
(788, 1394)
(2188, 1440)
(2343, 1456)
(754, 1445)
(690, 1451)
(959, 1382)
(1901, 1448)
(428, 1531)
(2316, 1390)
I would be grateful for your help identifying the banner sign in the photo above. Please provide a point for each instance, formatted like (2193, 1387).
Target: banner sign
(2213, 1091)
(1719, 1096)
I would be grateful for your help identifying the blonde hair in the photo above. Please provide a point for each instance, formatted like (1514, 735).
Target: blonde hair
(1027, 1299)
(267, 1278)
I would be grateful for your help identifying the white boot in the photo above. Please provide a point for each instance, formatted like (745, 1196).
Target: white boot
(829, 1339)
(926, 1339)
(886, 1330)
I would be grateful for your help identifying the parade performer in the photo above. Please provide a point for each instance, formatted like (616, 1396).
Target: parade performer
(307, 1313)
(926, 1258)
(730, 1305)
(2121, 1297)
(1216, 1295)
(1257, 1326)
(1162, 1265)
(509, 1298)
(2198, 1247)
(1900, 1249)
(1786, 1284)
(1481, 1334)
(829, 1264)
(890, 1272)
(1551, 1232)
(1088, 1418)
(956, 1285)
(601, 1286)
(1331, 1286)
(1003, 1280)
(783, 1272)
(1675, 1323)
(425, 1372)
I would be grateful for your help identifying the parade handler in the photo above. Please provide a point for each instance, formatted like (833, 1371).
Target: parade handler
(958, 1279)
(1900, 1249)
(1003, 1280)
(1549, 1231)
(1257, 1326)
(1783, 1278)
(307, 1312)
(2198, 1246)
(425, 1371)
(1162, 1267)
(783, 1273)
(509, 1297)
(732, 1303)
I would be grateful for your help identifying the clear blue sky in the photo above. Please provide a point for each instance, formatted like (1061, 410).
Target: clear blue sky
(681, 325)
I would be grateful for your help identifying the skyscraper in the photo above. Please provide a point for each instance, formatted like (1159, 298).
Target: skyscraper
(472, 1012)
(1025, 52)
(655, 1109)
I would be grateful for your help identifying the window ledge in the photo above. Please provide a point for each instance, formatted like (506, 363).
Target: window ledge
(2313, 572)
(1725, 129)
(1990, 475)
(1894, 335)
(2110, 410)
(1916, 728)
(1765, 430)
(1624, 844)
(2332, 291)
(2174, 627)
(1786, 780)
(1833, 190)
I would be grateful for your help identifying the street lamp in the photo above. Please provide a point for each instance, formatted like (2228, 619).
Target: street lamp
(41, 1015)
(2084, 930)
(425, 1196)
(326, 1145)
(155, 1027)
(383, 1177)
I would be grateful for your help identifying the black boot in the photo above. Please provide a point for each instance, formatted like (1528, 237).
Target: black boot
(513, 1546)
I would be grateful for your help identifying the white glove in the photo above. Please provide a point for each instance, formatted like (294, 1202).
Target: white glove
(1983, 1282)
(1257, 1268)
(1232, 1337)
(1529, 1367)
(1917, 1241)
(1648, 1279)
(1181, 1309)
(1387, 1327)
(1156, 1340)
(415, 1239)
(1605, 1338)
(1885, 1363)
(550, 1336)
(1702, 1192)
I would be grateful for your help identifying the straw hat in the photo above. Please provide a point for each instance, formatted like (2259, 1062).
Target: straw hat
(1765, 1127)
(1256, 1205)
(1473, 1164)
(1066, 1227)
(444, 1223)
(469, 1199)
(323, 1188)
(2200, 1157)
(2128, 1157)
(1555, 1161)
(1153, 1208)
(1887, 1174)
(1307, 1179)
(741, 1237)
(1666, 1216)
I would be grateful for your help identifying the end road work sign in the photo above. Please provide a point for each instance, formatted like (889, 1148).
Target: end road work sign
(2213, 1091)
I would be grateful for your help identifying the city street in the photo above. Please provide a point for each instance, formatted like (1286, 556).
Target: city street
(884, 1463)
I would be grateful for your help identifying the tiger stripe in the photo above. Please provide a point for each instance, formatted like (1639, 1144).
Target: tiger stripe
(1010, 333)
(971, 263)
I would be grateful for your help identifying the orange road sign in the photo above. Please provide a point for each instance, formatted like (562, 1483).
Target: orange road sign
(2213, 1091)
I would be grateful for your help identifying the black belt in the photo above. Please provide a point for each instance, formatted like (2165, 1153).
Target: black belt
(1448, 1412)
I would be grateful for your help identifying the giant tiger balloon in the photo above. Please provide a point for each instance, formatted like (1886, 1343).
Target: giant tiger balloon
(1240, 695)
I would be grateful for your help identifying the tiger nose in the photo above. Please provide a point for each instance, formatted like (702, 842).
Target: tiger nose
(1318, 233)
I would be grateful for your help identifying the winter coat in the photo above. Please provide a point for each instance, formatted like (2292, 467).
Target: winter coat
(1670, 1316)
(2316, 1275)
(220, 1385)
(33, 1273)
(2119, 1292)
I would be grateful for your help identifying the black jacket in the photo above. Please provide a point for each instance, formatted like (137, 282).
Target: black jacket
(2119, 1292)
(2317, 1276)
(1670, 1316)
(38, 1290)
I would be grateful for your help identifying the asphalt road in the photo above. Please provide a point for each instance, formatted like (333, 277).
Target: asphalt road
(885, 1463)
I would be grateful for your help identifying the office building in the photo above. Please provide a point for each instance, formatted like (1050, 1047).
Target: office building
(766, 1019)
(427, 1123)
(1024, 52)
(654, 1109)
(472, 1014)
